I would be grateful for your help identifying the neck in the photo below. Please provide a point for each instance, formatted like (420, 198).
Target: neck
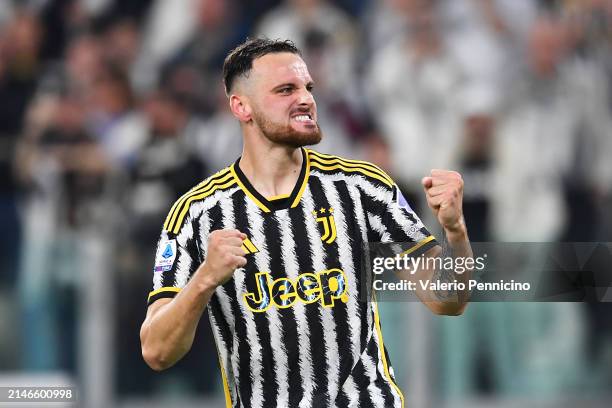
(272, 169)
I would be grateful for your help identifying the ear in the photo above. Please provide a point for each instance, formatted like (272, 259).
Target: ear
(240, 107)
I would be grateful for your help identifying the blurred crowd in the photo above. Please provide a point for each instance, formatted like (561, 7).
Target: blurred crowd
(110, 110)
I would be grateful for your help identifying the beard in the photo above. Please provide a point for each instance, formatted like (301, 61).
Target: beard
(284, 134)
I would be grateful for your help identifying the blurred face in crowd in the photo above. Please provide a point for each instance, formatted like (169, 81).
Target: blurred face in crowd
(278, 95)
(478, 128)
(212, 13)
(84, 59)
(70, 115)
(24, 35)
(305, 6)
(110, 95)
(124, 39)
(165, 117)
(547, 43)
(408, 7)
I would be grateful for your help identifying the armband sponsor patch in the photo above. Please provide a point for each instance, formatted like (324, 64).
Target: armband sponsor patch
(166, 254)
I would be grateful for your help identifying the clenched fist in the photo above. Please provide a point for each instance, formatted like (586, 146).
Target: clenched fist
(225, 255)
(444, 191)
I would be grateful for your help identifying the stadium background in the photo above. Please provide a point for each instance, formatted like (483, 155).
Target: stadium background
(110, 109)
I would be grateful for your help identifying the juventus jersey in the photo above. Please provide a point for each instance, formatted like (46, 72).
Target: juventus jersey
(290, 327)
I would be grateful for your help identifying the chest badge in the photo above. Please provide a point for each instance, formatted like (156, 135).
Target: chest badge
(325, 216)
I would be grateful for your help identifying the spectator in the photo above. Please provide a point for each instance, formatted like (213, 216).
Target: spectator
(217, 31)
(303, 21)
(163, 168)
(20, 39)
(124, 37)
(63, 171)
(480, 105)
(167, 28)
(495, 28)
(119, 129)
(413, 84)
(554, 115)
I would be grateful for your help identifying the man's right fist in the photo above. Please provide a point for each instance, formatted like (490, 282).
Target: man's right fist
(225, 255)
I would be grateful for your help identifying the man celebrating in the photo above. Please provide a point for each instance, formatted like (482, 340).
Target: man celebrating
(271, 245)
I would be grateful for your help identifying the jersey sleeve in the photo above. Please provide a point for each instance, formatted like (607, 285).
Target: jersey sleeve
(176, 259)
(393, 220)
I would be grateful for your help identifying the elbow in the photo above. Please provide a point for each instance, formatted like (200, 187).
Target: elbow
(160, 357)
(154, 359)
(456, 311)
(448, 309)
(153, 356)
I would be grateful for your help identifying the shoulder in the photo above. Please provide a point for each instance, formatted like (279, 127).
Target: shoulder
(354, 171)
(204, 191)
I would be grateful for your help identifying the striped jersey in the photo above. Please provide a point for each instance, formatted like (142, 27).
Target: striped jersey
(291, 328)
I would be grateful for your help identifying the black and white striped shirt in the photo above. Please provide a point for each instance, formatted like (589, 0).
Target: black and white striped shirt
(290, 327)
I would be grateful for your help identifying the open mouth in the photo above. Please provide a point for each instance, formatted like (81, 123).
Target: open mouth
(303, 118)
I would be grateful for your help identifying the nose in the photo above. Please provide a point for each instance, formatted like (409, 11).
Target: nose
(305, 97)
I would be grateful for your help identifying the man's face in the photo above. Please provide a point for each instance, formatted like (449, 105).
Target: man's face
(281, 100)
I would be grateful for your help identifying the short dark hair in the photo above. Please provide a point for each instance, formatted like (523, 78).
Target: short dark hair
(240, 60)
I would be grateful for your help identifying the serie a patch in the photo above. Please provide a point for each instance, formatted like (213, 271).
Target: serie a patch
(401, 201)
(166, 254)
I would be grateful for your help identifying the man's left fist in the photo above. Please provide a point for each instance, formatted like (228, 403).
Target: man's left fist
(444, 192)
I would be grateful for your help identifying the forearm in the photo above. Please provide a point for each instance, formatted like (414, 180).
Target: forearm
(447, 292)
(168, 333)
(456, 245)
(436, 283)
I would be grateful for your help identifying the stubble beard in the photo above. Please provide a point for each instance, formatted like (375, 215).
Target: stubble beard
(285, 135)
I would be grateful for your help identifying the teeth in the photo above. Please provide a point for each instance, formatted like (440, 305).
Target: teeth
(302, 118)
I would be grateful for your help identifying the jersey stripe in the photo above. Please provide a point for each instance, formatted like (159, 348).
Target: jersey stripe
(370, 367)
(314, 349)
(330, 167)
(222, 351)
(383, 357)
(288, 256)
(363, 225)
(211, 189)
(378, 227)
(264, 393)
(185, 201)
(333, 164)
(345, 256)
(196, 190)
(341, 315)
(221, 331)
(349, 163)
(318, 254)
(360, 215)
(362, 381)
(227, 292)
(185, 261)
(226, 388)
(284, 345)
(246, 359)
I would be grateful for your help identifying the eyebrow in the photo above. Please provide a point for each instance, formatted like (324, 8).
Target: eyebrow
(309, 84)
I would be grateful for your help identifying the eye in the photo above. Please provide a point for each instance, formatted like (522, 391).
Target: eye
(309, 87)
(285, 90)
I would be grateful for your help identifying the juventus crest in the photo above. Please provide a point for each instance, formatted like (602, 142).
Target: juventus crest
(326, 217)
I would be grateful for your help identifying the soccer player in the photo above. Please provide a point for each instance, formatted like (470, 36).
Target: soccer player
(271, 247)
